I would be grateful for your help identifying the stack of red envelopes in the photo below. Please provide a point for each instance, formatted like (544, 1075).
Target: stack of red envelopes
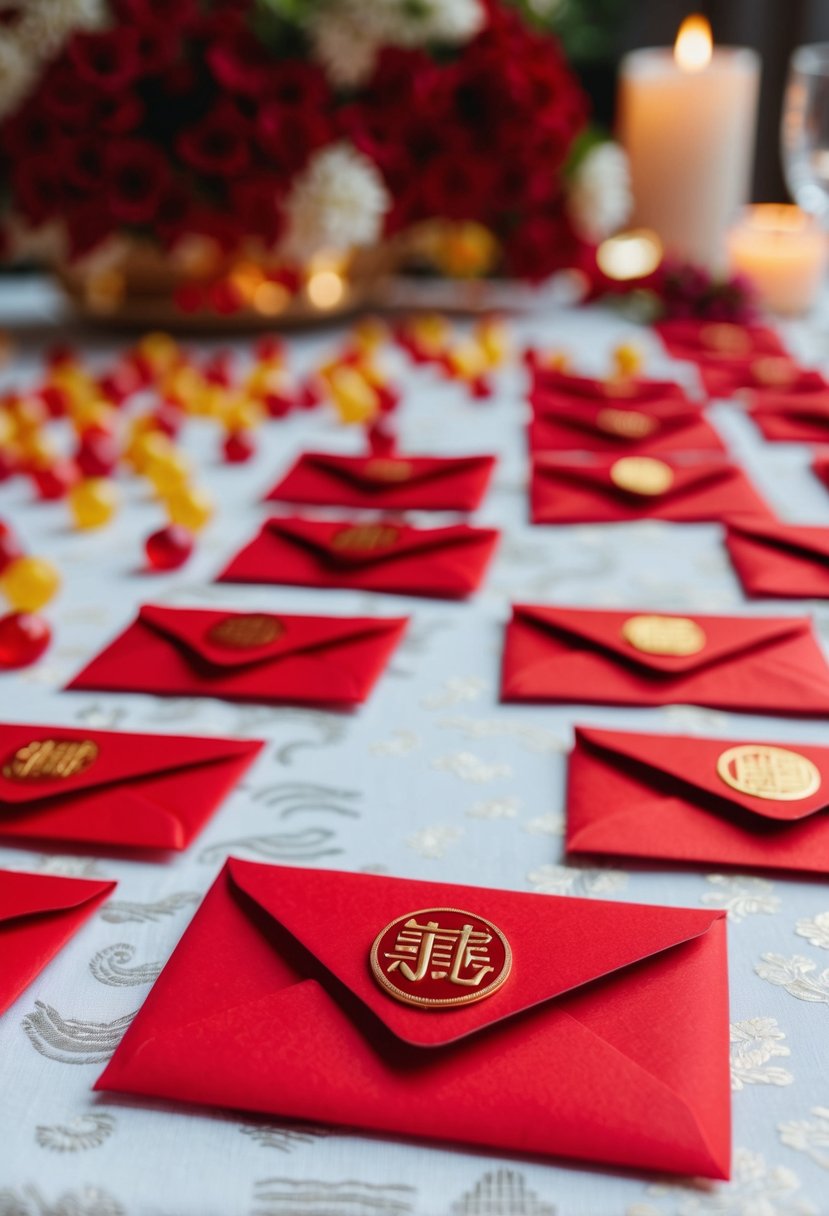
(396, 558)
(38, 915)
(246, 656)
(732, 357)
(106, 788)
(269, 1004)
(779, 561)
(721, 802)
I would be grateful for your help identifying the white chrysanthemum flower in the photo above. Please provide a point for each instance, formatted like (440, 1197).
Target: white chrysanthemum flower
(17, 74)
(599, 196)
(337, 203)
(45, 25)
(344, 47)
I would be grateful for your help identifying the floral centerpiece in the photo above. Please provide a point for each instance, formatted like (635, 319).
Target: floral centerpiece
(241, 145)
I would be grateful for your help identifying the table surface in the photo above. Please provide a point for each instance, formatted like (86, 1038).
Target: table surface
(431, 779)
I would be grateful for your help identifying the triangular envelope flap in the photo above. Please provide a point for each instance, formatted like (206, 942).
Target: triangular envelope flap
(32, 894)
(668, 414)
(120, 757)
(725, 636)
(320, 536)
(796, 409)
(190, 627)
(693, 761)
(357, 470)
(811, 541)
(557, 943)
(633, 389)
(687, 477)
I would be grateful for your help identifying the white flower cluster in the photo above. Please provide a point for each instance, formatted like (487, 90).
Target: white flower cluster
(337, 203)
(599, 198)
(348, 34)
(36, 36)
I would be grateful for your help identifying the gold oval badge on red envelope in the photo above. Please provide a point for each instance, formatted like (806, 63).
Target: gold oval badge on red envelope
(51, 760)
(246, 632)
(667, 635)
(725, 338)
(387, 470)
(626, 424)
(642, 475)
(763, 771)
(439, 958)
(776, 371)
(365, 538)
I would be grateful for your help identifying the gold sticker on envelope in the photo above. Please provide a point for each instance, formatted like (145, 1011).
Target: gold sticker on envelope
(626, 424)
(668, 635)
(776, 371)
(439, 958)
(246, 631)
(388, 470)
(365, 538)
(642, 475)
(768, 772)
(51, 760)
(725, 338)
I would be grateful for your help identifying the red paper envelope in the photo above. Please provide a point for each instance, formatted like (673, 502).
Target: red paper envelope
(614, 490)
(269, 1004)
(700, 340)
(107, 788)
(590, 427)
(630, 390)
(820, 467)
(447, 563)
(716, 801)
(725, 375)
(246, 656)
(750, 664)
(38, 915)
(779, 561)
(423, 483)
(793, 418)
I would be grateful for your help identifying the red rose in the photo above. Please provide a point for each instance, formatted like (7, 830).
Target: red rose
(38, 188)
(289, 136)
(137, 177)
(67, 100)
(181, 16)
(457, 187)
(118, 115)
(218, 144)
(109, 60)
(83, 162)
(29, 133)
(241, 64)
(257, 204)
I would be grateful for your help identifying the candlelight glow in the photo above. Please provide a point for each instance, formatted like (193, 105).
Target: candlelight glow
(692, 49)
(630, 255)
(325, 289)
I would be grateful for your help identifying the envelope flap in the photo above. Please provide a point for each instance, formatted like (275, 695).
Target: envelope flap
(699, 762)
(718, 637)
(41, 762)
(608, 417)
(352, 544)
(380, 475)
(599, 475)
(557, 944)
(630, 389)
(813, 542)
(799, 408)
(23, 894)
(242, 639)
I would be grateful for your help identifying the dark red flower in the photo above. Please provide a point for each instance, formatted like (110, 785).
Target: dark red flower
(38, 188)
(83, 160)
(241, 64)
(289, 136)
(137, 177)
(66, 100)
(218, 144)
(458, 187)
(180, 16)
(257, 203)
(119, 115)
(108, 60)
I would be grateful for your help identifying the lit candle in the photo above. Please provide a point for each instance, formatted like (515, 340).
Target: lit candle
(783, 251)
(687, 121)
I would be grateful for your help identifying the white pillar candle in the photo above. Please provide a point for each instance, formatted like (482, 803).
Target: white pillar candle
(782, 250)
(687, 120)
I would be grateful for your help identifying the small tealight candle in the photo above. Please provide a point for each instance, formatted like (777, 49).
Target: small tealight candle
(782, 250)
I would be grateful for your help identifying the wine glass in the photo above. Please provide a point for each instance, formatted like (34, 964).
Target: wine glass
(805, 129)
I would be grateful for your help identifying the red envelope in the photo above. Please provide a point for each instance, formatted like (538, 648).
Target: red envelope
(239, 656)
(38, 915)
(630, 390)
(446, 563)
(725, 375)
(700, 340)
(566, 491)
(268, 1004)
(801, 418)
(779, 561)
(107, 788)
(564, 426)
(820, 467)
(423, 483)
(750, 664)
(661, 796)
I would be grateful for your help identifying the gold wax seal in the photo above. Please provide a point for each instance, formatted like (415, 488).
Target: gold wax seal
(440, 957)
(669, 635)
(768, 772)
(619, 386)
(388, 470)
(776, 371)
(642, 475)
(626, 424)
(246, 631)
(364, 538)
(51, 760)
(726, 338)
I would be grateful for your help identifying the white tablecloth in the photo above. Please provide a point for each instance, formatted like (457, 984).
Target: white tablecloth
(431, 779)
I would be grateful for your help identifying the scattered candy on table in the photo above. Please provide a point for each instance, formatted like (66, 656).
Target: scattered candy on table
(169, 548)
(29, 583)
(24, 637)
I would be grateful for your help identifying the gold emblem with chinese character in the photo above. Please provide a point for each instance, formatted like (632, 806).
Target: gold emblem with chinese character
(439, 958)
(768, 772)
(246, 632)
(388, 470)
(642, 475)
(51, 760)
(726, 338)
(776, 371)
(365, 538)
(668, 635)
(626, 424)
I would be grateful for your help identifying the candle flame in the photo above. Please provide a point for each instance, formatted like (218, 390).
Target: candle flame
(692, 49)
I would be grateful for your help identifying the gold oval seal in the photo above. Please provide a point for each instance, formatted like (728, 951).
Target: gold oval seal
(381, 469)
(440, 957)
(626, 424)
(642, 475)
(246, 631)
(364, 538)
(726, 338)
(777, 371)
(768, 772)
(51, 760)
(670, 635)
